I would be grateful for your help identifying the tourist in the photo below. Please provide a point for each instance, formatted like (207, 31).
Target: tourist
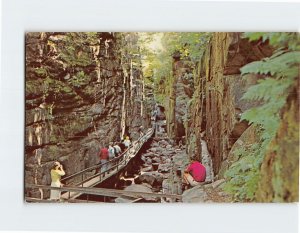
(194, 174)
(56, 173)
(111, 152)
(141, 131)
(122, 146)
(117, 149)
(111, 156)
(104, 159)
(127, 142)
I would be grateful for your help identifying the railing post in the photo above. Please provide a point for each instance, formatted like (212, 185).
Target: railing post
(117, 164)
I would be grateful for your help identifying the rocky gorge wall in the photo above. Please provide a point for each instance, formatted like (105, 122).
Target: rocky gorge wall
(83, 90)
(207, 99)
(180, 92)
(280, 168)
(222, 87)
(208, 104)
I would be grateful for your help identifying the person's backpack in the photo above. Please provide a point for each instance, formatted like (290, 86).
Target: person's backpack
(115, 150)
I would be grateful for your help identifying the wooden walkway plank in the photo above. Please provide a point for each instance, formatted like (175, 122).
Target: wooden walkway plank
(85, 186)
(95, 179)
(108, 192)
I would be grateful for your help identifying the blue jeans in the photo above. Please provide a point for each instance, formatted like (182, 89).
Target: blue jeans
(105, 166)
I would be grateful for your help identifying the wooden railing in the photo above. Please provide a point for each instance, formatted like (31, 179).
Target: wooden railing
(81, 178)
(114, 164)
(102, 192)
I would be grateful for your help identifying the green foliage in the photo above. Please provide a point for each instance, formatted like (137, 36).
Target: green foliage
(279, 73)
(280, 40)
(243, 175)
(190, 44)
(159, 60)
(74, 48)
(280, 64)
(273, 94)
(73, 53)
(160, 98)
(41, 72)
(56, 87)
(79, 80)
(281, 69)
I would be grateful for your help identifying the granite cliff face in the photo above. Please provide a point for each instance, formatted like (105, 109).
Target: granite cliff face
(207, 95)
(83, 90)
(181, 88)
(223, 88)
(203, 101)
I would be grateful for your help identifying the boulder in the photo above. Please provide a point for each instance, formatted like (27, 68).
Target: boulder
(156, 160)
(164, 168)
(147, 169)
(124, 182)
(153, 149)
(154, 144)
(150, 154)
(163, 143)
(217, 183)
(169, 147)
(135, 188)
(143, 158)
(155, 166)
(149, 161)
(152, 178)
(168, 161)
(195, 194)
(168, 152)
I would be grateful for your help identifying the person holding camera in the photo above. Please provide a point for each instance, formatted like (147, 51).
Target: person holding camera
(56, 173)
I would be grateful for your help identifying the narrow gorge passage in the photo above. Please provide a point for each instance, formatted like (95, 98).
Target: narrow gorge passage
(158, 168)
(226, 100)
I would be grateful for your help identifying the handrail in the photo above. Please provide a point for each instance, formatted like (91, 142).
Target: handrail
(106, 192)
(135, 145)
(118, 162)
(93, 167)
(32, 199)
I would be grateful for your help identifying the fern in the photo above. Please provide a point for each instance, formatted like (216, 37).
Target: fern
(273, 94)
(288, 40)
(278, 65)
(242, 177)
(279, 72)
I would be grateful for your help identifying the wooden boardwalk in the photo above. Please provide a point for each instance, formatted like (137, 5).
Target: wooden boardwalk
(83, 182)
(105, 192)
(114, 166)
(102, 192)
